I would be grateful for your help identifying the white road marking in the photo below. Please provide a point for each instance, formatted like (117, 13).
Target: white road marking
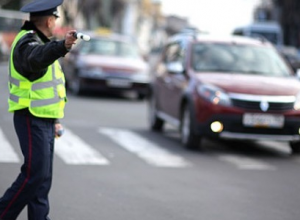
(7, 152)
(73, 150)
(144, 149)
(246, 163)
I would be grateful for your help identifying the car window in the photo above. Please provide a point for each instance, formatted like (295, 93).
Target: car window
(109, 47)
(127, 50)
(238, 59)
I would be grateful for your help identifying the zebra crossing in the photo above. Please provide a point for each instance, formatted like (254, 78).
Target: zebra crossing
(150, 152)
(7, 152)
(73, 150)
(246, 163)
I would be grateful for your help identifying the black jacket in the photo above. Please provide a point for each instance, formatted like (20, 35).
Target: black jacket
(35, 52)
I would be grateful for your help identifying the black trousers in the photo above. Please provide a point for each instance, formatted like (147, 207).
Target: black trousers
(32, 186)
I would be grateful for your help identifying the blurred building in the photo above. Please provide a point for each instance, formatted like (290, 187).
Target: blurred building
(134, 18)
(141, 20)
(175, 24)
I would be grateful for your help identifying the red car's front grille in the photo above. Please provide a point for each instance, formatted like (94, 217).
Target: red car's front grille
(255, 105)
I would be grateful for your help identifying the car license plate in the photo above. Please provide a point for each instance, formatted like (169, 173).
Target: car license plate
(263, 120)
(120, 83)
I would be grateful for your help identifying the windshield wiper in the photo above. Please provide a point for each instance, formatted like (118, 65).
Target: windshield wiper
(253, 72)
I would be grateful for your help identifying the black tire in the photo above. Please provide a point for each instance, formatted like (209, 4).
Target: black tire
(295, 147)
(189, 138)
(156, 123)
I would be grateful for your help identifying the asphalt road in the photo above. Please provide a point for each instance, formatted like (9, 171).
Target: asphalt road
(108, 165)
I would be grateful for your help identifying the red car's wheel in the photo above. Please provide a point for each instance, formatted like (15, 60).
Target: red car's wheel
(189, 139)
(156, 123)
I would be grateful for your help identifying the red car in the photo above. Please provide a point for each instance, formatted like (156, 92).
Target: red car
(107, 63)
(225, 87)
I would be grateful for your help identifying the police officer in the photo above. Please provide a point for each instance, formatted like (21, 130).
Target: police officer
(37, 99)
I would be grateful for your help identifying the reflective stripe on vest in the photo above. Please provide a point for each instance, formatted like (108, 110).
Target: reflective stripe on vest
(36, 86)
(34, 103)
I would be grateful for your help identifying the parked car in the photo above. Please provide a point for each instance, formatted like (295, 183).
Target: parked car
(291, 55)
(269, 30)
(225, 87)
(110, 63)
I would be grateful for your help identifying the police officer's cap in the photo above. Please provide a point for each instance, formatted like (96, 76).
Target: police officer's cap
(42, 7)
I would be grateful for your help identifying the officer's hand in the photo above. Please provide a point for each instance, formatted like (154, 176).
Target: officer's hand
(59, 130)
(70, 39)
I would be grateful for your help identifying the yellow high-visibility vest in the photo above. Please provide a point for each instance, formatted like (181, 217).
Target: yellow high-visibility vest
(44, 97)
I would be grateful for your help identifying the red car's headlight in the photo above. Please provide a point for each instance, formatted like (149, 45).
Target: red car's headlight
(214, 95)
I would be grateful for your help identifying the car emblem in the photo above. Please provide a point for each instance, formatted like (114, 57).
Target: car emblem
(264, 106)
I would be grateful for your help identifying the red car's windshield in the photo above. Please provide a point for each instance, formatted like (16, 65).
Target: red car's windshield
(247, 59)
